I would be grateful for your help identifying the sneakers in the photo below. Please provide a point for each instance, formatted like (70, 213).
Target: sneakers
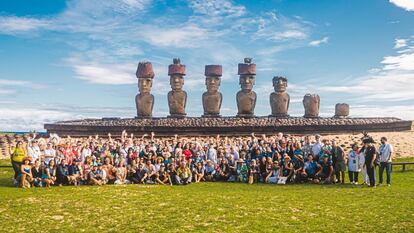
(388, 185)
(356, 183)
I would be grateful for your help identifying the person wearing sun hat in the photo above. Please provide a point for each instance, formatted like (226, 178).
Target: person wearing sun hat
(241, 170)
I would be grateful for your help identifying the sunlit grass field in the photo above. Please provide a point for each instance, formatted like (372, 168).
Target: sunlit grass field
(209, 207)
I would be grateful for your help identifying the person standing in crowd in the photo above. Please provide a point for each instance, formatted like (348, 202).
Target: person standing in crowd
(33, 150)
(354, 164)
(317, 147)
(370, 155)
(338, 160)
(49, 154)
(17, 154)
(385, 159)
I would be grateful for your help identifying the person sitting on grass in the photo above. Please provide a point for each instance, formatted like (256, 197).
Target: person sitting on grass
(241, 171)
(209, 171)
(62, 173)
(310, 169)
(286, 168)
(25, 174)
(273, 174)
(121, 173)
(163, 176)
(199, 172)
(109, 170)
(75, 170)
(49, 174)
(140, 174)
(253, 172)
(298, 168)
(326, 171)
(223, 170)
(183, 174)
(94, 177)
(37, 174)
(172, 172)
(152, 172)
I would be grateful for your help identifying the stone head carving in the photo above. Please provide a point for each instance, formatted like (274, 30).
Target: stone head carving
(247, 72)
(311, 104)
(280, 99)
(145, 74)
(213, 80)
(280, 84)
(246, 98)
(341, 110)
(144, 100)
(176, 71)
(212, 99)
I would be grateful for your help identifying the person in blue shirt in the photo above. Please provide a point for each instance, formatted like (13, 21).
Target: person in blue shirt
(311, 167)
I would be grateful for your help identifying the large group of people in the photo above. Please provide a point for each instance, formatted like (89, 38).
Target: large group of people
(276, 159)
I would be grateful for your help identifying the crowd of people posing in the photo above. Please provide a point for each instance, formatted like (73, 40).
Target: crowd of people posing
(277, 159)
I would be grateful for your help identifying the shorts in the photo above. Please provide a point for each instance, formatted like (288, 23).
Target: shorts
(340, 166)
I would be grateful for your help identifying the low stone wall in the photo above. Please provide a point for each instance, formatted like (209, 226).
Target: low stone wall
(193, 126)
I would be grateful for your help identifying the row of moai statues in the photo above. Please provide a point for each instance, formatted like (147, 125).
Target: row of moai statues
(212, 98)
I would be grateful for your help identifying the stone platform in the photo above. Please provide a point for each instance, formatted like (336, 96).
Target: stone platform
(229, 126)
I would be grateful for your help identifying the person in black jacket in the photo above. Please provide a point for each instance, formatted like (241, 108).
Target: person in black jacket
(370, 156)
(62, 174)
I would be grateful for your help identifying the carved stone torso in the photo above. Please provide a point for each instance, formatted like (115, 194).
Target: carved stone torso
(311, 105)
(279, 101)
(145, 104)
(246, 102)
(212, 103)
(176, 102)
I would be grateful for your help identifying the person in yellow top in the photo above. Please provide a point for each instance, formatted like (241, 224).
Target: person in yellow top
(17, 154)
(184, 174)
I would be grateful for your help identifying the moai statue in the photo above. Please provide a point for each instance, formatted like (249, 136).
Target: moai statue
(177, 98)
(341, 110)
(212, 98)
(279, 100)
(144, 100)
(246, 97)
(311, 104)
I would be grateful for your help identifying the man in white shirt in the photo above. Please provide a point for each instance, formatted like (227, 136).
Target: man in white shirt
(385, 159)
(317, 147)
(33, 150)
(49, 154)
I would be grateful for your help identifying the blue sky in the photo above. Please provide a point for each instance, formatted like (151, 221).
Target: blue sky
(74, 59)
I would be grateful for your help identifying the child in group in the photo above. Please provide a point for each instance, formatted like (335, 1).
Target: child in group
(242, 171)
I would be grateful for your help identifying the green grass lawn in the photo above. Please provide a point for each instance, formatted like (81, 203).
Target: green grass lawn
(212, 207)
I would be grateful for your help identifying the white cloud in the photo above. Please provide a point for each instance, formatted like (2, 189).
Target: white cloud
(316, 43)
(400, 43)
(402, 62)
(217, 8)
(8, 87)
(114, 74)
(289, 34)
(15, 25)
(408, 5)
(187, 36)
